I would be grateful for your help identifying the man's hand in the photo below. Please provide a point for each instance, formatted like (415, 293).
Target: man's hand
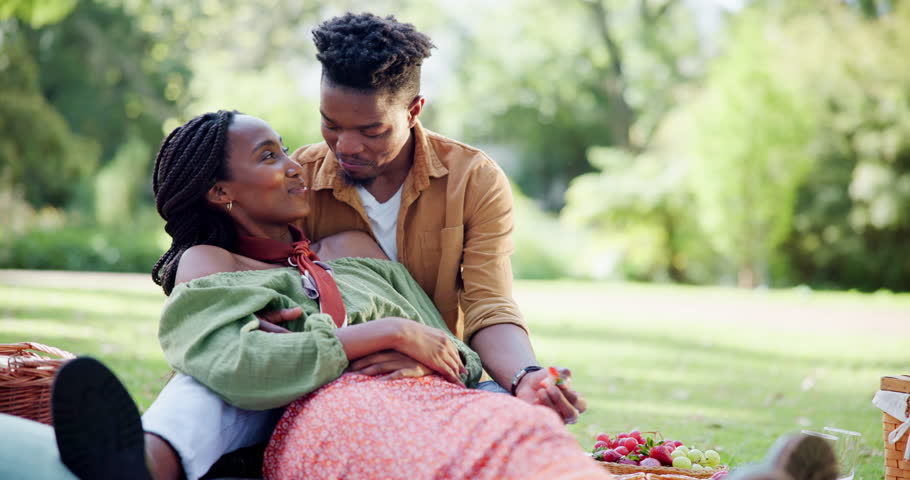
(391, 363)
(562, 398)
(268, 321)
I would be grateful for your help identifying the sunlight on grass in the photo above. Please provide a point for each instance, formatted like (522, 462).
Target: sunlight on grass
(713, 367)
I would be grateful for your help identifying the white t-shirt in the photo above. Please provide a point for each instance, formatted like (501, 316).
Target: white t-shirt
(383, 219)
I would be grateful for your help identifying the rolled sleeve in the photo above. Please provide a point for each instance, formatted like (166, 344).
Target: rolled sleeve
(211, 334)
(486, 298)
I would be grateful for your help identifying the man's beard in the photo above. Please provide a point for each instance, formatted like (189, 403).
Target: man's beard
(354, 182)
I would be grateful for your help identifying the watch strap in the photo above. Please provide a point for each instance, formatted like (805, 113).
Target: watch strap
(521, 373)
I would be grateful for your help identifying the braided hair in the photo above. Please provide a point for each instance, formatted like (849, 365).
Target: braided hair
(191, 159)
(370, 53)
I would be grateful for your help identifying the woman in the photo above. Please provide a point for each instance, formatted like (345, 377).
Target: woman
(230, 195)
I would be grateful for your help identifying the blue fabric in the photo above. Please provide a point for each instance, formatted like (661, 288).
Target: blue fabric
(492, 386)
(29, 450)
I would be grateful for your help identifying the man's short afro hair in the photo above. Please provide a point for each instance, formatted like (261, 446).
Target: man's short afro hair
(367, 52)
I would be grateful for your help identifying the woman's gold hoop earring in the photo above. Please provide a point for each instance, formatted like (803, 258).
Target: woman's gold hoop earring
(230, 205)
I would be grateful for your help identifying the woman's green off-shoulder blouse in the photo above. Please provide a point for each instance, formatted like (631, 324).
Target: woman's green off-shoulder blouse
(209, 330)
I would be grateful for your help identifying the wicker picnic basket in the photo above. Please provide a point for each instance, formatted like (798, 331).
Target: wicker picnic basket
(896, 467)
(625, 469)
(26, 377)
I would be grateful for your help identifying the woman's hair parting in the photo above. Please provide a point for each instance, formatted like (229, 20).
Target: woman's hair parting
(191, 159)
(367, 52)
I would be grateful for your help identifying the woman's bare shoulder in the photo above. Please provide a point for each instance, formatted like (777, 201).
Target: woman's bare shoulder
(202, 260)
(352, 243)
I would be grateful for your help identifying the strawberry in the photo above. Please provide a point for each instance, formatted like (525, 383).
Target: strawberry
(630, 443)
(622, 450)
(554, 374)
(610, 455)
(636, 435)
(603, 437)
(661, 454)
(601, 445)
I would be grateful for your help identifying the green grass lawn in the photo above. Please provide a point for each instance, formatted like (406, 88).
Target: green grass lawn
(713, 367)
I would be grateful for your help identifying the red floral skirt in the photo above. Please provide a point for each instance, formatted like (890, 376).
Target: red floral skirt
(359, 427)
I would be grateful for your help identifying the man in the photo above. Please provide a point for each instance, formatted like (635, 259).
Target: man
(440, 207)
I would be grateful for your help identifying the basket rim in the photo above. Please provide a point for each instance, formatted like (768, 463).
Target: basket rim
(626, 468)
(28, 349)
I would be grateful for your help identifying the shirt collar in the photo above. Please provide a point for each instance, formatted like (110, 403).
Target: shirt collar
(426, 165)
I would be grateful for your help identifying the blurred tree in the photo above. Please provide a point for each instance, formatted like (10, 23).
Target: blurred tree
(39, 153)
(564, 77)
(752, 130)
(36, 13)
(118, 186)
(86, 82)
(106, 76)
(852, 221)
(638, 198)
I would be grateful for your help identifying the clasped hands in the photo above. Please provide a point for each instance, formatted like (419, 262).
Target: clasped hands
(392, 364)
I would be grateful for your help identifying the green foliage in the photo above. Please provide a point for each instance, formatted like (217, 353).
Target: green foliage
(37, 13)
(121, 185)
(38, 150)
(566, 76)
(88, 249)
(752, 131)
(106, 76)
(853, 218)
(72, 92)
(133, 245)
(541, 242)
(639, 200)
(762, 146)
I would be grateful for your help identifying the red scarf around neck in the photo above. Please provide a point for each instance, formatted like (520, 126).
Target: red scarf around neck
(298, 254)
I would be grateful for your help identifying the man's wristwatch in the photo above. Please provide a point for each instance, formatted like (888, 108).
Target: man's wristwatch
(521, 374)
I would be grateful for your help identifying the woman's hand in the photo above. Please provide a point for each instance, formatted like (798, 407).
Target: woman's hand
(268, 321)
(429, 346)
(391, 363)
(562, 398)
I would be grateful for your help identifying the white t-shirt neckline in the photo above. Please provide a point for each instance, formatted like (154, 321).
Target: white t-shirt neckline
(383, 219)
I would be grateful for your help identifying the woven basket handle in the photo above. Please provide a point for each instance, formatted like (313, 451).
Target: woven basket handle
(23, 354)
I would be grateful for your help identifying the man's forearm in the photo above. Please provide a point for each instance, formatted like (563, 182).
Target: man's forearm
(504, 349)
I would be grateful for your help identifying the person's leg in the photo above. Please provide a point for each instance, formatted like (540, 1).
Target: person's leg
(96, 423)
(28, 450)
(187, 429)
(189, 426)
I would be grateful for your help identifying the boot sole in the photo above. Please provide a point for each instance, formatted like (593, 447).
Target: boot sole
(97, 425)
